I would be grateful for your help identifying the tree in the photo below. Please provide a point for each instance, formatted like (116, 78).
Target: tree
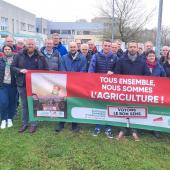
(130, 17)
(165, 35)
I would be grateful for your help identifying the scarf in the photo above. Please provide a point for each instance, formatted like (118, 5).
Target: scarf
(132, 57)
(151, 64)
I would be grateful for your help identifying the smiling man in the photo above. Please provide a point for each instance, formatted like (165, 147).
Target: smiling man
(28, 59)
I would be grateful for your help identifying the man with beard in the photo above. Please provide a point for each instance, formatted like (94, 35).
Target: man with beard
(131, 64)
(28, 59)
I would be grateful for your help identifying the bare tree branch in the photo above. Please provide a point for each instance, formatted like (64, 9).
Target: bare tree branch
(130, 16)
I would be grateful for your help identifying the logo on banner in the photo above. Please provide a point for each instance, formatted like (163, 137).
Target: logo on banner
(159, 119)
(127, 112)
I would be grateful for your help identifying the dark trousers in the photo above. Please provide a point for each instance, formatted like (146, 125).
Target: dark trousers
(25, 113)
(74, 125)
(7, 101)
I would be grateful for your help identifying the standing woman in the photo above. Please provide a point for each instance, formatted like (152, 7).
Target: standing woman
(156, 69)
(8, 88)
(154, 66)
(166, 65)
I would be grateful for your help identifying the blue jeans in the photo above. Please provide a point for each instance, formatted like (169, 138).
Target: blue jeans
(108, 128)
(7, 101)
(25, 113)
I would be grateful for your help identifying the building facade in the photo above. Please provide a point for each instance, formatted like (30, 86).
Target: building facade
(16, 21)
(70, 31)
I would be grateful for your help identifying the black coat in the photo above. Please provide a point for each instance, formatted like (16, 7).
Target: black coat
(128, 67)
(21, 62)
(166, 66)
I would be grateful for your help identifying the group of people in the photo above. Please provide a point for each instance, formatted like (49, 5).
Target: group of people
(16, 60)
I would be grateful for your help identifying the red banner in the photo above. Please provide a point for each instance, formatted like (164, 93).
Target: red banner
(116, 88)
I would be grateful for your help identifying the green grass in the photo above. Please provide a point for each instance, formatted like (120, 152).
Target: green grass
(47, 150)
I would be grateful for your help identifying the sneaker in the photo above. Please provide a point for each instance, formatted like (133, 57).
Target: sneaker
(96, 132)
(3, 124)
(109, 134)
(9, 123)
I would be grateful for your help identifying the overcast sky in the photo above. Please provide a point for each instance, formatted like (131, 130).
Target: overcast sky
(71, 10)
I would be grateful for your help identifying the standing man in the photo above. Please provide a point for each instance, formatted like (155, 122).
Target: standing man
(84, 51)
(103, 62)
(147, 47)
(115, 48)
(92, 47)
(164, 53)
(72, 62)
(52, 57)
(131, 64)
(120, 51)
(28, 59)
(58, 45)
(20, 45)
(10, 41)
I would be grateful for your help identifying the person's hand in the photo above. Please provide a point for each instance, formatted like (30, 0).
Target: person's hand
(109, 72)
(24, 71)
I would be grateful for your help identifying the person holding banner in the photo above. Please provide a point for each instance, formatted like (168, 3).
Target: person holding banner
(156, 69)
(103, 62)
(74, 61)
(8, 88)
(131, 64)
(28, 59)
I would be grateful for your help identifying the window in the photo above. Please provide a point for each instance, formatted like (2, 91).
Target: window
(23, 26)
(37, 29)
(65, 31)
(86, 32)
(79, 32)
(4, 24)
(30, 28)
(55, 31)
(44, 31)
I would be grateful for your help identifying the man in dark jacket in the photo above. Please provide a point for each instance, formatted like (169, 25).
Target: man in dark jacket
(58, 46)
(92, 47)
(28, 59)
(52, 57)
(131, 64)
(119, 51)
(147, 47)
(85, 52)
(72, 62)
(103, 62)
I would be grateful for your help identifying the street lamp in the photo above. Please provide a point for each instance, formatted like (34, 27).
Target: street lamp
(113, 20)
(158, 34)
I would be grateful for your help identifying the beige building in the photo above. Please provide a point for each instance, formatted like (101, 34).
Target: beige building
(16, 21)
